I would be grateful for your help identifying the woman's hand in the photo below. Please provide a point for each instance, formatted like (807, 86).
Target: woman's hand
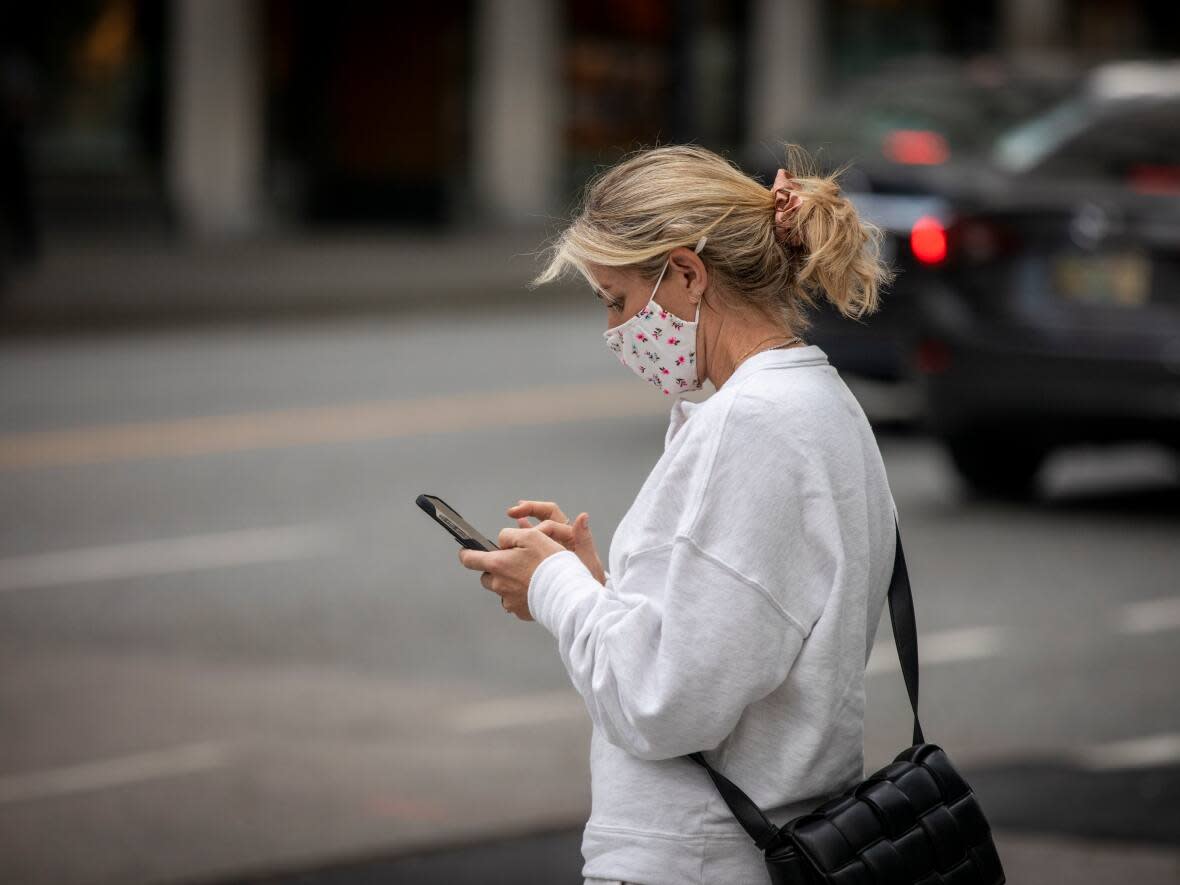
(574, 537)
(509, 570)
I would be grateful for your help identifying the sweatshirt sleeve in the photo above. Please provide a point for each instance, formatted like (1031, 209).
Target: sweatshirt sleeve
(667, 671)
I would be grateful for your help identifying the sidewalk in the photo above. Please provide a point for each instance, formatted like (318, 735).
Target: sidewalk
(153, 279)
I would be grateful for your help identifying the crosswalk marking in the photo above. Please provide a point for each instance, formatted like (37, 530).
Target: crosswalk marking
(1149, 616)
(965, 644)
(1141, 752)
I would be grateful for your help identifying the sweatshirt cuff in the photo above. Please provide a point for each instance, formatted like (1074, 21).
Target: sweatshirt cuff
(556, 586)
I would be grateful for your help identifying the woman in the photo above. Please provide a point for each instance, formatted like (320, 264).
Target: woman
(747, 579)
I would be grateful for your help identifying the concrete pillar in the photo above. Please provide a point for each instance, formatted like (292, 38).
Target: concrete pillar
(517, 109)
(215, 116)
(1033, 25)
(786, 52)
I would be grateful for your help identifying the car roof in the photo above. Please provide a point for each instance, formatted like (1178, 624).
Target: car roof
(1134, 80)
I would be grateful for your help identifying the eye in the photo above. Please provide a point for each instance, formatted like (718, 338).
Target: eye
(610, 304)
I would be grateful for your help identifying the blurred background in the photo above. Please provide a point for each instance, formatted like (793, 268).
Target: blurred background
(263, 273)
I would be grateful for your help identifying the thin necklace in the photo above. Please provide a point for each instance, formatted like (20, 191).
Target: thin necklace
(763, 341)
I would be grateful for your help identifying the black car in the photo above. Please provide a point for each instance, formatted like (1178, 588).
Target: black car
(903, 133)
(1055, 315)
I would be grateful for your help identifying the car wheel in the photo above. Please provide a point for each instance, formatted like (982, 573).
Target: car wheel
(997, 465)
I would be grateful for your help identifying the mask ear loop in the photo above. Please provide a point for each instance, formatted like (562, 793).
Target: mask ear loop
(659, 279)
(697, 249)
(699, 246)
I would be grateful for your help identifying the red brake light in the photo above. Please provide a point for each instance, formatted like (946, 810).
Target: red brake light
(916, 147)
(928, 240)
(1154, 179)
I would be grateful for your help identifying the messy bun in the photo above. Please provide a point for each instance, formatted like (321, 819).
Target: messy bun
(652, 201)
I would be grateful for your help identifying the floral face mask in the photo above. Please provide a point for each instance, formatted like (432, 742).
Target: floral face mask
(657, 346)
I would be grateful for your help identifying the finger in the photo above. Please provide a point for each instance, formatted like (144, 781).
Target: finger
(556, 530)
(476, 560)
(585, 547)
(521, 516)
(539, 509)
(582, 534)
(509, 537)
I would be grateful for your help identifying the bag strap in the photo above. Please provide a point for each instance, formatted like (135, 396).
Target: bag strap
(905, 638)
(905, 629)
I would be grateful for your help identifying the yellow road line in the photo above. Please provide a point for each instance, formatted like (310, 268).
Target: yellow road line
(381, 419)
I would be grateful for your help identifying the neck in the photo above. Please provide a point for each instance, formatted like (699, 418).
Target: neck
(730, 338)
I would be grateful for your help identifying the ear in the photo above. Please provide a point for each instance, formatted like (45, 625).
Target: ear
(688, 271)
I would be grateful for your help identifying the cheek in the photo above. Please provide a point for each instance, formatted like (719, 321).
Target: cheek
(617, 317)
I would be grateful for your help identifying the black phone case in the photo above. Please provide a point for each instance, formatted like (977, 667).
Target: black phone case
(427, 505)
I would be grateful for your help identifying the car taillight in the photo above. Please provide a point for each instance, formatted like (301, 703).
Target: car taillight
(928, 240)
(1154, 179)
(916, 147)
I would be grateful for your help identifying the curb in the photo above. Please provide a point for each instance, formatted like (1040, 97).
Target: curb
(120, 283)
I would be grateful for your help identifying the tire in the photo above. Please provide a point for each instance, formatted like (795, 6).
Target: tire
(997, 465)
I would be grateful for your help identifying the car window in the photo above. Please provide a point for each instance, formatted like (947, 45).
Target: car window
(967, 115)
(1081, 140)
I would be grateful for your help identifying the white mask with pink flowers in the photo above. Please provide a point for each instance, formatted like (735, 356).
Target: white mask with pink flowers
(658, 346)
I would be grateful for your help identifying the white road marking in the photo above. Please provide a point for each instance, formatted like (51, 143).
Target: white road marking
(168, 555)
(115, 772)
(531, 709)
(557, 706)
(1144, 752)
(1149, 616)
(966, 644)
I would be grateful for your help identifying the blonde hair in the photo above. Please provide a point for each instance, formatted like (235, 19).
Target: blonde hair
(654, 200)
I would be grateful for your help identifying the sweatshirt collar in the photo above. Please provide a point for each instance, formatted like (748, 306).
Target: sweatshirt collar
(811, 355)
(785, 358)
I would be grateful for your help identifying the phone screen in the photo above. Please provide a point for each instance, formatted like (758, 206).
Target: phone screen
(449, 518)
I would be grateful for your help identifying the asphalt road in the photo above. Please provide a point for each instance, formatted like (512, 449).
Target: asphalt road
(232, 649)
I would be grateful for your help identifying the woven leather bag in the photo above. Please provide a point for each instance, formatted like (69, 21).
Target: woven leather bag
(913, 822)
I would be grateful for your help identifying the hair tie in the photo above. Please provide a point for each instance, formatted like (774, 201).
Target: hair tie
(786, 202)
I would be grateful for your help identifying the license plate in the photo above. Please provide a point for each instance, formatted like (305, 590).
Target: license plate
(1114, 280)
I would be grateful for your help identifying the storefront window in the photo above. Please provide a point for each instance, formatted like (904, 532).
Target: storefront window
(650, 72)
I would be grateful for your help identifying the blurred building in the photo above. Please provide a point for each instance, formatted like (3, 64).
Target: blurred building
(231, 117)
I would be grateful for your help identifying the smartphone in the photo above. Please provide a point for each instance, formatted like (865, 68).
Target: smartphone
(449, 519)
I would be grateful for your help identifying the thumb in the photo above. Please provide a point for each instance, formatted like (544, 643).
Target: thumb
(582, 536)
(585, 548)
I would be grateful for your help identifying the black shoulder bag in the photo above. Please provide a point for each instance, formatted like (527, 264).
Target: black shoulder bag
(914, 822)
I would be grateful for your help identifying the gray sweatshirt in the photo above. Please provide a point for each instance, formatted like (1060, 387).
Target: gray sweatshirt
(745, 586)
